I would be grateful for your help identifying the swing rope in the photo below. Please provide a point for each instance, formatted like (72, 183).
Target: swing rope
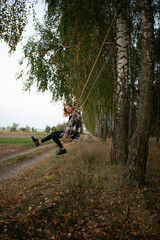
(69, 139)
(97, 58)
(110, 53)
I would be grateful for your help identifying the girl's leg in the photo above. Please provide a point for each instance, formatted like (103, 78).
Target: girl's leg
(55, 136)
(47, 138)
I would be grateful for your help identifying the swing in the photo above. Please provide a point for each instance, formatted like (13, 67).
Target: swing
(68, 139)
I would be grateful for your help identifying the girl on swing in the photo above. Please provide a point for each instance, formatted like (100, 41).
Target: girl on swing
(72, 131)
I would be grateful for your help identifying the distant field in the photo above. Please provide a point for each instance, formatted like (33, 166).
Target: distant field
(19, 138)
(17, 141)
(7, 135)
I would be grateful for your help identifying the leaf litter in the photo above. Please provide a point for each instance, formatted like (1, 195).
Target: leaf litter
(66, 198)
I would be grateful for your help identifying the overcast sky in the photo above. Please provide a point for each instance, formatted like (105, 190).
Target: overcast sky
(24, 108)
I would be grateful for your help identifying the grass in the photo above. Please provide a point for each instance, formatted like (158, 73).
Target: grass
(17, 141)
(80, 196)
(23, 157)
(91, 168)
(18, 138)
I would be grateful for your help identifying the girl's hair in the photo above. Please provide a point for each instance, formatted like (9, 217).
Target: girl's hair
(65, 111)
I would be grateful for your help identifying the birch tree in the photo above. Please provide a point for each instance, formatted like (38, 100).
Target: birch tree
(119, 141)
(13, 19)
(138, 148)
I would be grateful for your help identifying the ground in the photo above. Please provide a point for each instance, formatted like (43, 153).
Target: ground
(79, 196)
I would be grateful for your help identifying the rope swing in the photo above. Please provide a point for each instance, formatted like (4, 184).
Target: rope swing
(68, 139)
(110, 53)
(109, 29)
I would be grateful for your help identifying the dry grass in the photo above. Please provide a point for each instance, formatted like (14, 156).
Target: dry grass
(81, 196)
(89, 167)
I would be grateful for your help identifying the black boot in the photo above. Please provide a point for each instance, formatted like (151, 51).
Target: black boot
(62, 151)
(35, 141)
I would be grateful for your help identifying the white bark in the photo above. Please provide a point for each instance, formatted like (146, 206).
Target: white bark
(120, 135)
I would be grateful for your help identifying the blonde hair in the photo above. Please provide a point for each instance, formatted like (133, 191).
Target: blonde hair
(65, 111)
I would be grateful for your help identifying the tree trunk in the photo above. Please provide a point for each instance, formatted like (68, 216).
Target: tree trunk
(158, 103)
(104, 134)
(138, 150)
(110, 124)
(101, 126)
(120, 132)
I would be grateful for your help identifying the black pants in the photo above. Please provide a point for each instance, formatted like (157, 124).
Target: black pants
(55, 136)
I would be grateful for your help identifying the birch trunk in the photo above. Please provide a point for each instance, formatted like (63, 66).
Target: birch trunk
(120, 132)
(138, 149)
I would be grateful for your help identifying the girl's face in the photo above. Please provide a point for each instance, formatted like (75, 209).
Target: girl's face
(68, 108)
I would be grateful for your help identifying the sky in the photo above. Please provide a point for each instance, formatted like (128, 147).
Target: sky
(24, 108)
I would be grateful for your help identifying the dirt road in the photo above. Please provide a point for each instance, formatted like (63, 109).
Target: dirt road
(20, 167)
(16, 154)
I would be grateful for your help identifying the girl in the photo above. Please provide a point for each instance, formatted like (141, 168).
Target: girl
(72, 130)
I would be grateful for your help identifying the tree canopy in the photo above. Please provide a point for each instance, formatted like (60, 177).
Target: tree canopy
(60, 56)
(13, 19)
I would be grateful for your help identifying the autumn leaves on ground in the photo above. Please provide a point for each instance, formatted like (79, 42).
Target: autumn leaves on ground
(81, 196)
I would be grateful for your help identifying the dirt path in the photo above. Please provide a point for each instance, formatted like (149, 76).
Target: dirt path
(16, 154)
(20, 167)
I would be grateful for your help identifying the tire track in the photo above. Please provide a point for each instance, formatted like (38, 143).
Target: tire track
(13, 155)
(18, 168)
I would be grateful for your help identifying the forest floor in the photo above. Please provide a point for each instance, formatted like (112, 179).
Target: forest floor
(78, 195)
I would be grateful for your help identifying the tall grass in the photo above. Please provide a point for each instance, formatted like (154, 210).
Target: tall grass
(82, 195)
(89, 168)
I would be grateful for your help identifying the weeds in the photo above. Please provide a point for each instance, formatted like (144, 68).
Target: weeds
(79, 196)
(91, 169)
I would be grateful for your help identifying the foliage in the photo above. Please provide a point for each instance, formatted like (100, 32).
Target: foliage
(23, 129)
(53, 129)
(61, 127)
(61, 58)
(13, 19)
(47, 129)
(14, 127)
